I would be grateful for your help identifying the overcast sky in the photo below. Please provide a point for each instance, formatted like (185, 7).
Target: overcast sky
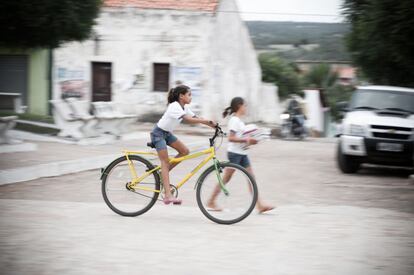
(291, 10)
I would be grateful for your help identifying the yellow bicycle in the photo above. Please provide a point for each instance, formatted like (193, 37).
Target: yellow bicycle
(131, 185)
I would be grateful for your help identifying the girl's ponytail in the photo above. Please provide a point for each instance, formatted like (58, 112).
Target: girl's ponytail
(226, 112)
(235, 104)
(170, 97)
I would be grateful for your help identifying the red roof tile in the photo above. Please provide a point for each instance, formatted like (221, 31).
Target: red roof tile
(346, 72)
(198, 5)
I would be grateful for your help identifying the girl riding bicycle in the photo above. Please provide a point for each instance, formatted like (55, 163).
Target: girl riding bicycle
(236, 150)
(161, 136)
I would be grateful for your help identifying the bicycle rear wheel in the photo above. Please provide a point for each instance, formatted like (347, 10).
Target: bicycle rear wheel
(123, 199)
(237, 204)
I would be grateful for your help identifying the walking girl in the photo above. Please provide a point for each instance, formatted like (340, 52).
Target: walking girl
(237, 149)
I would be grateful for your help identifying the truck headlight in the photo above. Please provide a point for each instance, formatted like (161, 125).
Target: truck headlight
(356, 130)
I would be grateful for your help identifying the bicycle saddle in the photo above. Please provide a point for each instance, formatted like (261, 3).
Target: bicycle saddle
(150, 144)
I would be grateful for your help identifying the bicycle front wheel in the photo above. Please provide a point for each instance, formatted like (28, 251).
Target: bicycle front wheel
(230, 204)
(120, 196)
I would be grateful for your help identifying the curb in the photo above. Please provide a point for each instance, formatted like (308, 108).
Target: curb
(19, 147)
(54, 169)
(60, 168)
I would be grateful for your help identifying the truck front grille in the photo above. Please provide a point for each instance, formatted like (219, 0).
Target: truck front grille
(391, 132)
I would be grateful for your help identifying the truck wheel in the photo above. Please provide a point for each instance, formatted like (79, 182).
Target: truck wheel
(347, 164)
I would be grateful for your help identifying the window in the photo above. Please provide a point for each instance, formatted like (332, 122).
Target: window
(161, 77)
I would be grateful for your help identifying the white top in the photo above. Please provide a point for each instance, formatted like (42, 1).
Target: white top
(173, 116)
(237, 126)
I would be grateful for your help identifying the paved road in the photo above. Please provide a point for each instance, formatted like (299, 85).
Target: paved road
(324, 223)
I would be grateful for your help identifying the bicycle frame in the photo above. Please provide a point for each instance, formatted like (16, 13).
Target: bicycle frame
(211, 155)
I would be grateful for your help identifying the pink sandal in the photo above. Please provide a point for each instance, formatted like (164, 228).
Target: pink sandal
(172, 200)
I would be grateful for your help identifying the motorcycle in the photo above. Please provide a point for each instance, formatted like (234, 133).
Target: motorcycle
(293, 125)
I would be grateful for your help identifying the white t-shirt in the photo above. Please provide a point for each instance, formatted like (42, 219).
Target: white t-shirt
(173, 116)
(237, 126)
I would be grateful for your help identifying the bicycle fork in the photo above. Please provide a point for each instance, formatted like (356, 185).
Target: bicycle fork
(219, 170)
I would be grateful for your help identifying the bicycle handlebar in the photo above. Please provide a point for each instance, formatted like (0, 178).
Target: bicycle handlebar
(218, 131)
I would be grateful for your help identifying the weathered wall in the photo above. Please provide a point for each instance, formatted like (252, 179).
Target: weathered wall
(211, 52)
(132, 40)
(235, 70)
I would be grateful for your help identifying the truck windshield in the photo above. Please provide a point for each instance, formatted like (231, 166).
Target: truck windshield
(382, 100)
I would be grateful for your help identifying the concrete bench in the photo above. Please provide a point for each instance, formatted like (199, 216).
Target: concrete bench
(6, 123)
(80, 109)
(108, 122)
(69, 123)
(11, 102)
(111, 118)
(123, 111)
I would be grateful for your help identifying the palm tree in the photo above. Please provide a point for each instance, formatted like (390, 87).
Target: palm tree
(320, 77)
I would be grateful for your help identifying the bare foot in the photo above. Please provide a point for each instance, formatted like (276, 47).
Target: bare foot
(264, 209)
(211, 205)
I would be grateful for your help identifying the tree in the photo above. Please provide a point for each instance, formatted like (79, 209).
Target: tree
(45, 23)
(320, 76)
(281, 73)
(381, 41)
(338, 93)
(323, 78)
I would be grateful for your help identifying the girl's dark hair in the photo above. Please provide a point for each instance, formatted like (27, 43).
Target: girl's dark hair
(235, 104)
(174, 93)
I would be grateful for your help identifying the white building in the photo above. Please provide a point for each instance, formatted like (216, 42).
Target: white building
(142, 48)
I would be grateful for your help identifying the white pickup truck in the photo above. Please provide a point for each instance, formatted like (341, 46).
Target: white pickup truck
(378, 128)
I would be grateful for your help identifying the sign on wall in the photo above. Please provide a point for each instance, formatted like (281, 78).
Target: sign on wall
(71, 83)
(190, 76)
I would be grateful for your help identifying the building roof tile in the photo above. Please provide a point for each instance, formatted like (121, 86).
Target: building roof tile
(195, 5)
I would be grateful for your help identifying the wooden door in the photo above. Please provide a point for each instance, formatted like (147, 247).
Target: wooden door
(101, 81)
(161, 77)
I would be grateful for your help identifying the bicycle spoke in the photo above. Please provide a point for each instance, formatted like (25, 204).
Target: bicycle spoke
(135, 192)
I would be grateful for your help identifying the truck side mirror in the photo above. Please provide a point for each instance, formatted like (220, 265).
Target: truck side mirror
(342, 106)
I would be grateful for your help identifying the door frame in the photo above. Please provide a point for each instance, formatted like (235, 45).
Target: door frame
(94, 61)
(153, 75)
(103, 59)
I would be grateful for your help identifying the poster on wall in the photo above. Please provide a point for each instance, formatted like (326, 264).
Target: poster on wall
(190, 76)
(71, 83)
